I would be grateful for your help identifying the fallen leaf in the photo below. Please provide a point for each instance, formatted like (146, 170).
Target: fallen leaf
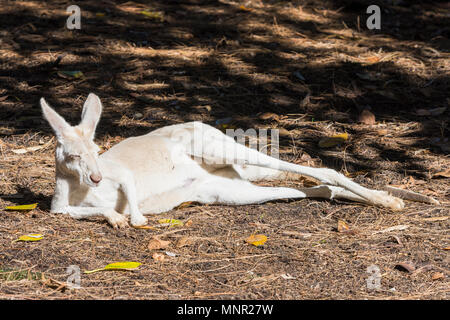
(405, 266)
(54, 284)
(256, 239)
(24, 207)
(437, 276)
(183, 241)
(446, 248)
(244, 8)
(156, 244)
(70, 74)
(188, 223)
(444, 174)
(366, 117)
(170, 222)
(382, 132)
(269, 116)
(31, 237)
(332, 141)
(394, 228)
(153, 15)
(158, 257)
(144, 227)
(127, 265)
(342, 226)
(373, 59)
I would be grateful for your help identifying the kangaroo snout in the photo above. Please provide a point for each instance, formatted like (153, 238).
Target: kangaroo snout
(95, 178)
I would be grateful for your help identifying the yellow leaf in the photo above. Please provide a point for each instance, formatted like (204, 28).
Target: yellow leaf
(244, 8)
(70, 74)
(31, 237)
(332, 141)
(153, 15)
(171, 222)
(22, 207)
(256, 239)
(127, 265)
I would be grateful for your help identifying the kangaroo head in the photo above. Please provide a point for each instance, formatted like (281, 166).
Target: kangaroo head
(76, 152)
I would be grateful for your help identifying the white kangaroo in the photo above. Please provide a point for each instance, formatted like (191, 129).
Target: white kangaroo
(158, 171)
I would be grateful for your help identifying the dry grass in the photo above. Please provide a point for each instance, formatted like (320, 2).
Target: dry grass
(211, 60)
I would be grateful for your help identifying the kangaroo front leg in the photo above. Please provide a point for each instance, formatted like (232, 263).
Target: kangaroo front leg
(125, 181)
(116, 219)
(136, 217)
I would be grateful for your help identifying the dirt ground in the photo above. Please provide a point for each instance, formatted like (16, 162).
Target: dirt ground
(307, 68)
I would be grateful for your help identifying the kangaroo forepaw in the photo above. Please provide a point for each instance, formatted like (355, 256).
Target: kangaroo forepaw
(117, 220)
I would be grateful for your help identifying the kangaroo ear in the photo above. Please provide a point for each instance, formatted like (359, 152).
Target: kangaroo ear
(58, 124)
(92, 109)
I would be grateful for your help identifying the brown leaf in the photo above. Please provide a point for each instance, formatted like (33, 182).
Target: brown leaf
(342, 226)
(405, 266)
(54, 284)
(373, 59)
(269, 116)
(183, 241)
(444, 174)
(437, 276)
(158, 257)
(156, 244)
(188, 223)
(366, 117)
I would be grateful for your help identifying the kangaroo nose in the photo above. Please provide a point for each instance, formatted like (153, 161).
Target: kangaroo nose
(96, 178)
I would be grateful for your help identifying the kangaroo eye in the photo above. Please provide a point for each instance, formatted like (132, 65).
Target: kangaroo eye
(73, 156)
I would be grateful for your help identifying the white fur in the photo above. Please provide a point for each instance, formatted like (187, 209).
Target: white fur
(158, 171)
